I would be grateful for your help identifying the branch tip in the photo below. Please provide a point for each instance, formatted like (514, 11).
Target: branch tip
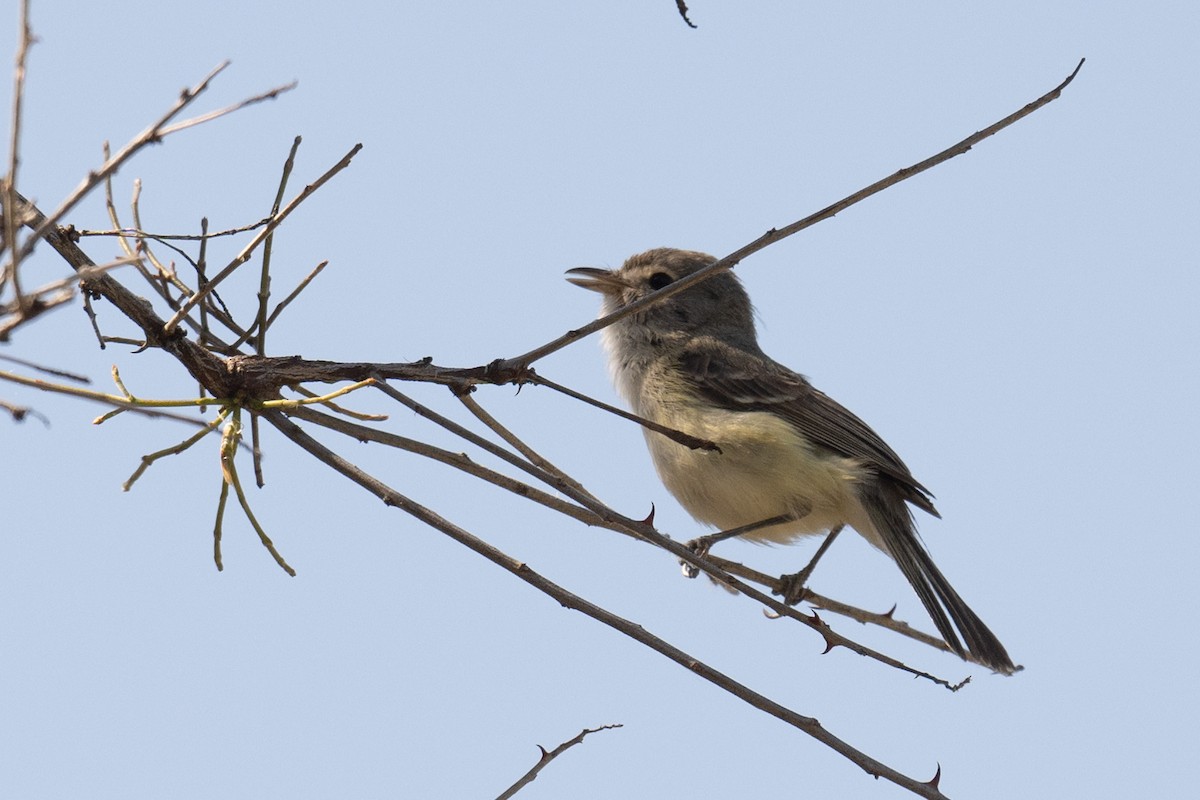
(682, 8)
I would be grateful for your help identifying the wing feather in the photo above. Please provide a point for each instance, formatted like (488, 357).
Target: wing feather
(735, 379)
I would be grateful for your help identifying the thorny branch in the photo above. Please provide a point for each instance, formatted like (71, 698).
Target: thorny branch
(569, 600)
(547, 757)
(522, 362)
(255, 382)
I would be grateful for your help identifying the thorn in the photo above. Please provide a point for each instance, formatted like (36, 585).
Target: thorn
(890, 611)
(649, 520)
(683, 12)
(937, 777)
(823, 628)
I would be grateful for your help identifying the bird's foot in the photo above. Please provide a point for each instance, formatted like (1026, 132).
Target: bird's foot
(700, 546)
(793, 587)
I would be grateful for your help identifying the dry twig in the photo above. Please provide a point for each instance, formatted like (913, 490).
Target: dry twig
(547, 757)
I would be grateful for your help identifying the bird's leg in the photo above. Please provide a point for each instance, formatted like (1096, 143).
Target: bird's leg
(792, 586)
(702, 544)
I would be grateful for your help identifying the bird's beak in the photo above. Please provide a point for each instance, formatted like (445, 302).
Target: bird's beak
(604, 281)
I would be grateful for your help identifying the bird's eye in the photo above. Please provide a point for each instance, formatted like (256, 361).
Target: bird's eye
(660, 279)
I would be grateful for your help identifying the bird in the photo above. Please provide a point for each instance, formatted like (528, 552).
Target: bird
(786, 456)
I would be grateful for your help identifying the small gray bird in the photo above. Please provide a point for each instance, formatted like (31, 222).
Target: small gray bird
(692, 363)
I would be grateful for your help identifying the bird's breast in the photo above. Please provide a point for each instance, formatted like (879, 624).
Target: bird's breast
(766, 467)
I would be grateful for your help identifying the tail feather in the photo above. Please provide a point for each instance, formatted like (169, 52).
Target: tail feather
(949, 612)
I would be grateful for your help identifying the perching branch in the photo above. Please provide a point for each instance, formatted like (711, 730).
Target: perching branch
(638, 633)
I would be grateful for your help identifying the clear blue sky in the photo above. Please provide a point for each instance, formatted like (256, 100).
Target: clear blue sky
(1020, 324)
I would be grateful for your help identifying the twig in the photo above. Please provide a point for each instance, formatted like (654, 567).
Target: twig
(58, 373)
(91, 315)
(459, 461)
(218, 525)
(82, 275)
(248, 250)
(9, 206)
(201, 281)
(270, 94)
(687, 440)
(285, 402)
(514, 441)
(264, 295)
(555, 481)
(332, 406)
(152, 134)
(174, 449)
(167, 276)
(127, 401)
(158, 282)
(176, 237)
(111, 207)
(264, 284)
(229, 441)
(547, 757)
(203, 365)
(300, 287)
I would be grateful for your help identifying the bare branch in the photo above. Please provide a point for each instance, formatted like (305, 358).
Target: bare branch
(774, 235)
(513, 440)
(637, 632)
(229, 442)
(300, 287)
(270, 94)
(157, 130)
(687, 440)
(457, 460)
(248, 250)
(8, 203)
(175, 449)
(547, 757)
(887, 621)
(264, 287)
(58, 373)
(177, 237)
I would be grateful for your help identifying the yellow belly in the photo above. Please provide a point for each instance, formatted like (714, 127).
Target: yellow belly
(765, 468)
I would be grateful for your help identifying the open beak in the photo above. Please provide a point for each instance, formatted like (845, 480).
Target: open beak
(604, 281)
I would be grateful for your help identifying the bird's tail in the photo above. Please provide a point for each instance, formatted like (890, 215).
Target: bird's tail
(894, 523)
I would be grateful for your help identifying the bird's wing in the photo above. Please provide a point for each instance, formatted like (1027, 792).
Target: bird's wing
(735, 379)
